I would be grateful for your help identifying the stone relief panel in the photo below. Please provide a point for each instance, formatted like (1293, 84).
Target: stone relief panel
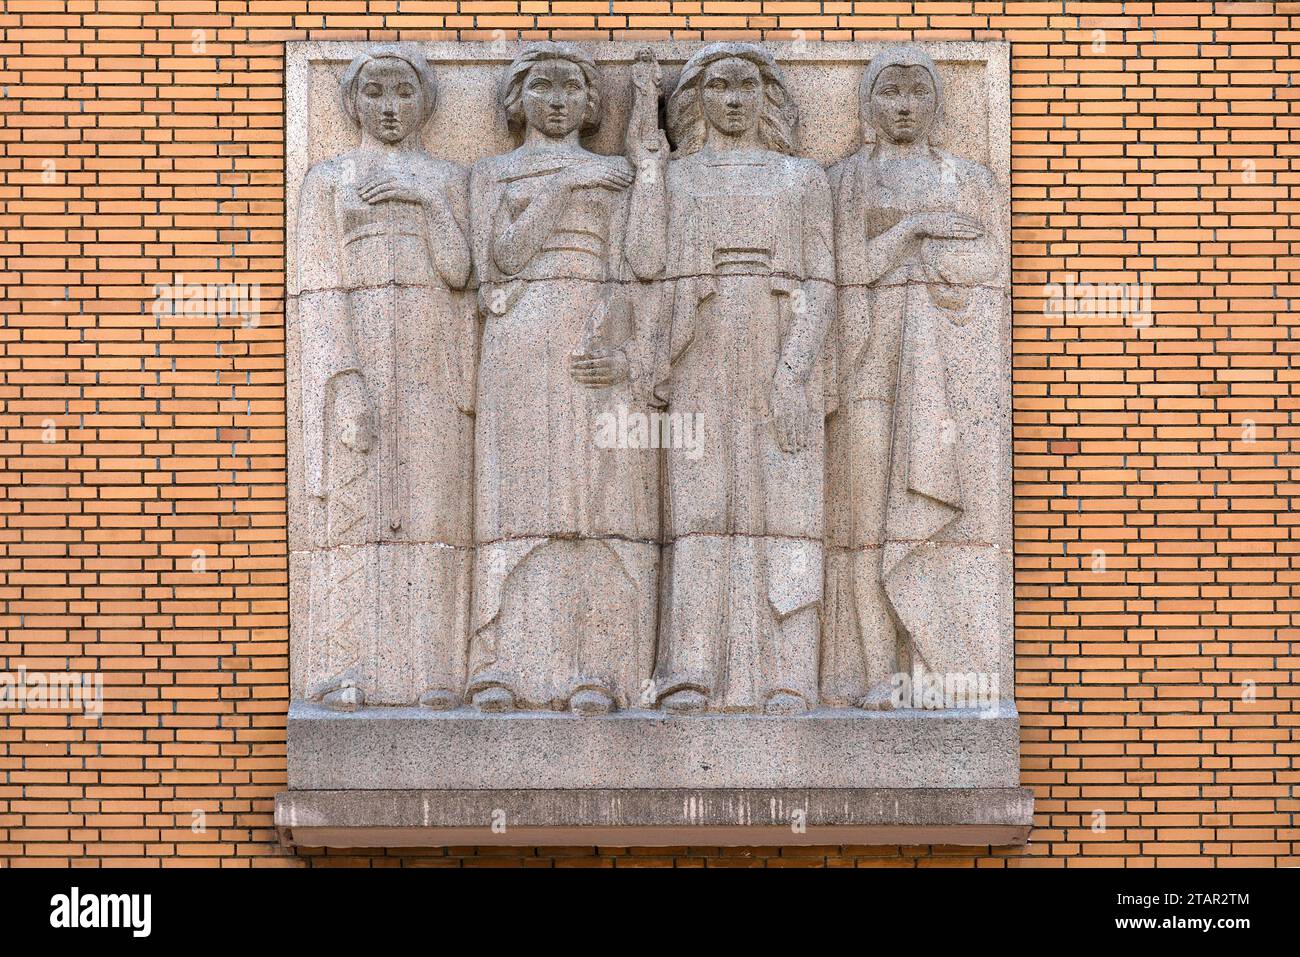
(691, 397)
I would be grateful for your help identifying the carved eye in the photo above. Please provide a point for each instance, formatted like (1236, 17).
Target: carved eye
(749, 84)
(573, 86)
(889, 91)
(539, 84)
(406, 91)
(372, 90)
(717, 84)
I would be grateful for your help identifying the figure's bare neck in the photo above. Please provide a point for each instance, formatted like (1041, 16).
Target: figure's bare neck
(372, 144)
(893, 150)
(536, 140)
(724, 142)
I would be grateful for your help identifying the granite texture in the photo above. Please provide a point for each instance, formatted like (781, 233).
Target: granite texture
(413, 748)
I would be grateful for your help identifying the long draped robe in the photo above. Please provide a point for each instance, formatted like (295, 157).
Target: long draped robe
(567, 531)
(381, 303)
(749, 238)
(918, 540)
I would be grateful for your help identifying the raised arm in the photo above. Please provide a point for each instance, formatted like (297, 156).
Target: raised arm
(647, 151)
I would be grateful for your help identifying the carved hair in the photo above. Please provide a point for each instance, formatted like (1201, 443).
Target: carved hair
(778, 118)
(512, 90)
(412, 57)
(900, 54)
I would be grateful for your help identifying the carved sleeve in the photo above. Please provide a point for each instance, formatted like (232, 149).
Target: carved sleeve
(818, 228)
(482, 199)
(517, 239)
(814, 299)
(327, 350)
(462, 331)
(447, 235)
(647, 223)
(887, 251)
(985, 264)
(319, 246)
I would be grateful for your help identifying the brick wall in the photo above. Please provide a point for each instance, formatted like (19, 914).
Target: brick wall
(142, 510)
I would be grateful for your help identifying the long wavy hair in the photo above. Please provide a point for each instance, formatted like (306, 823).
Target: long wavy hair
(511, 95)
(778, 118)
(408, 54)
(902, 54)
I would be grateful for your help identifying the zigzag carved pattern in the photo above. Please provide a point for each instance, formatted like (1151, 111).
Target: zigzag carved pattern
(349, 586)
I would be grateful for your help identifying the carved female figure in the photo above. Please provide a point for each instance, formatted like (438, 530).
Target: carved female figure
(914, 446)
(749, 292)
(566, 530)
(386, 371)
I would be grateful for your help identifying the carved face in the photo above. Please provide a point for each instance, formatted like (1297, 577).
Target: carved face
(903, 103)
(389, 99)
(555, 98)
(732, 93)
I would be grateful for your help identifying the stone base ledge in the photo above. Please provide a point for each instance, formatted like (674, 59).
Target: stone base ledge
(661, 817)
(415, 749)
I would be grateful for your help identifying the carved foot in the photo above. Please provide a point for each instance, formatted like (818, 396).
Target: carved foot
(686, 701)
(783, 702)
(879, 698)
(494, 700)
(340, 692)
(591, 701)
(439, 699)
(346, 697)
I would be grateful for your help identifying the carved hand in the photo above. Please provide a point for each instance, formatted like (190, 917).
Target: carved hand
(598, 371)
(943, 226)
(647, 146)
(353, 419)
(649, 155)
(791, 413)
(398, 185)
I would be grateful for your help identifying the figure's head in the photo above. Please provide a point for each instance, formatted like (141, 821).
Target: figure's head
(901, 96)
(735, 89)
(552, 87)
(389, 92)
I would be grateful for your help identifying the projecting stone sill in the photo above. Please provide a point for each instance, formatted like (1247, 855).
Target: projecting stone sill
(658, 817)
(398, 777)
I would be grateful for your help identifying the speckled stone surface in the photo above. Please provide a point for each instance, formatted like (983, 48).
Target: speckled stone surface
(826, 301)
(410, 748)
(655, 817)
